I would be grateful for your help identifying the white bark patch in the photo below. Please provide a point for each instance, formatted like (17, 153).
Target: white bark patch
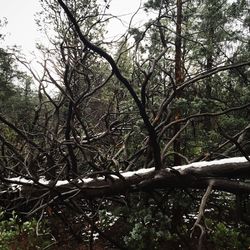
(215, 162)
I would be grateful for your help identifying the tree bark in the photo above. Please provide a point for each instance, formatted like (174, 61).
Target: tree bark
(178, 78)
(225, 175)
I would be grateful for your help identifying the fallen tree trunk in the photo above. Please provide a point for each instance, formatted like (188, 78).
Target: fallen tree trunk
(226, 175)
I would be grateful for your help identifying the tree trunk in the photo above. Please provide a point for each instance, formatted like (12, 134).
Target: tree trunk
(178, 78)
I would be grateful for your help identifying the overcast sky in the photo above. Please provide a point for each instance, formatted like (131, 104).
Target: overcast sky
(21, 29)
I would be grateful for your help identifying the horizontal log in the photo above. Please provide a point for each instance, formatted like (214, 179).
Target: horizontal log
(223, 174)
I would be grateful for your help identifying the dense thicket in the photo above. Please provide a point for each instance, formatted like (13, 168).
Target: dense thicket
(169, 93)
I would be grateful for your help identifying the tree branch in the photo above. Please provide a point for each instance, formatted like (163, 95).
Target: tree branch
(201, 215)
(151, 131)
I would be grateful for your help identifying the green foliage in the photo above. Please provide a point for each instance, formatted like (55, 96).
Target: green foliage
(106, 218)
(149, 226)
(236, 8)
(15, 234)
(148, 230)
(226, 237)
(17, 101)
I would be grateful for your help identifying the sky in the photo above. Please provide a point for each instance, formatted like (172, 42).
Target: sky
(21, 29)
